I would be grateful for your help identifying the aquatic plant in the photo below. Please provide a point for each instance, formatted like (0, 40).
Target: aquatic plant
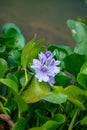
(43, 87)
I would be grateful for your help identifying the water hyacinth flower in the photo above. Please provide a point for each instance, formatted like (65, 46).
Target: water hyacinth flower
(46, 67)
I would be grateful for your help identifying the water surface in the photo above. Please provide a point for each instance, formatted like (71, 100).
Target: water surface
(44, 17)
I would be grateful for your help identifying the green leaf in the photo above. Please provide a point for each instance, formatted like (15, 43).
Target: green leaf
(2, 48)
(51, 125)
(60, 53)
(78, 29)
(3, 40)
(41, 116)
(69, 49)
(74, 62)
(84, 68)
(41, 40)
(81, 48)
(20, 125)
(82, 80)
(84, 121)
(10, 83)
(37, 128)
(14, 57)
(74, 95)
(3, 67)
(62, 79)
(82, 76)
(55, 121)
(17, 42)
(10, 30)
(10, 26)
(35, 91)
(13, 86)
(57, 96)
(59, 118)
(30, 52)
(79, 33)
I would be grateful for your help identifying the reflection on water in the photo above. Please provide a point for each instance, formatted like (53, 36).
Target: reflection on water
(45, 17)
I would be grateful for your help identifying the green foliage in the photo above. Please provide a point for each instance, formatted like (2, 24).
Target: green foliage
(30, 51)
(74, 95)
(73, 63)
(13, 86)
(35, 105)
(3, 66)
(10, 30)
(20, 125)
(35, 91)
(62, 79)
(56, 96)
(55, 121)
(84, 121)
(38, 128)
(79, 30)
(82, 76)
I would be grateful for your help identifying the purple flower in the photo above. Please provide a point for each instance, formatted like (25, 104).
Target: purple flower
(46, 67)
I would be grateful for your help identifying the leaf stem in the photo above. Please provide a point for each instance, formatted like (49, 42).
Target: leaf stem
(3, 109)
(73, 120)
(26, 81)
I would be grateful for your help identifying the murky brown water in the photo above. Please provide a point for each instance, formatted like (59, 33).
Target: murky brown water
(44, 17)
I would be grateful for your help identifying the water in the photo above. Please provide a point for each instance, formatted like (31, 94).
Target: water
(47, 18)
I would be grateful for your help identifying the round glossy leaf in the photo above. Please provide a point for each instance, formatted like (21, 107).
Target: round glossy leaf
(62, 79)
(74, 62)
(81, 48)
(14, 57)
(78, 29)
(10, 29)
(17, 41)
